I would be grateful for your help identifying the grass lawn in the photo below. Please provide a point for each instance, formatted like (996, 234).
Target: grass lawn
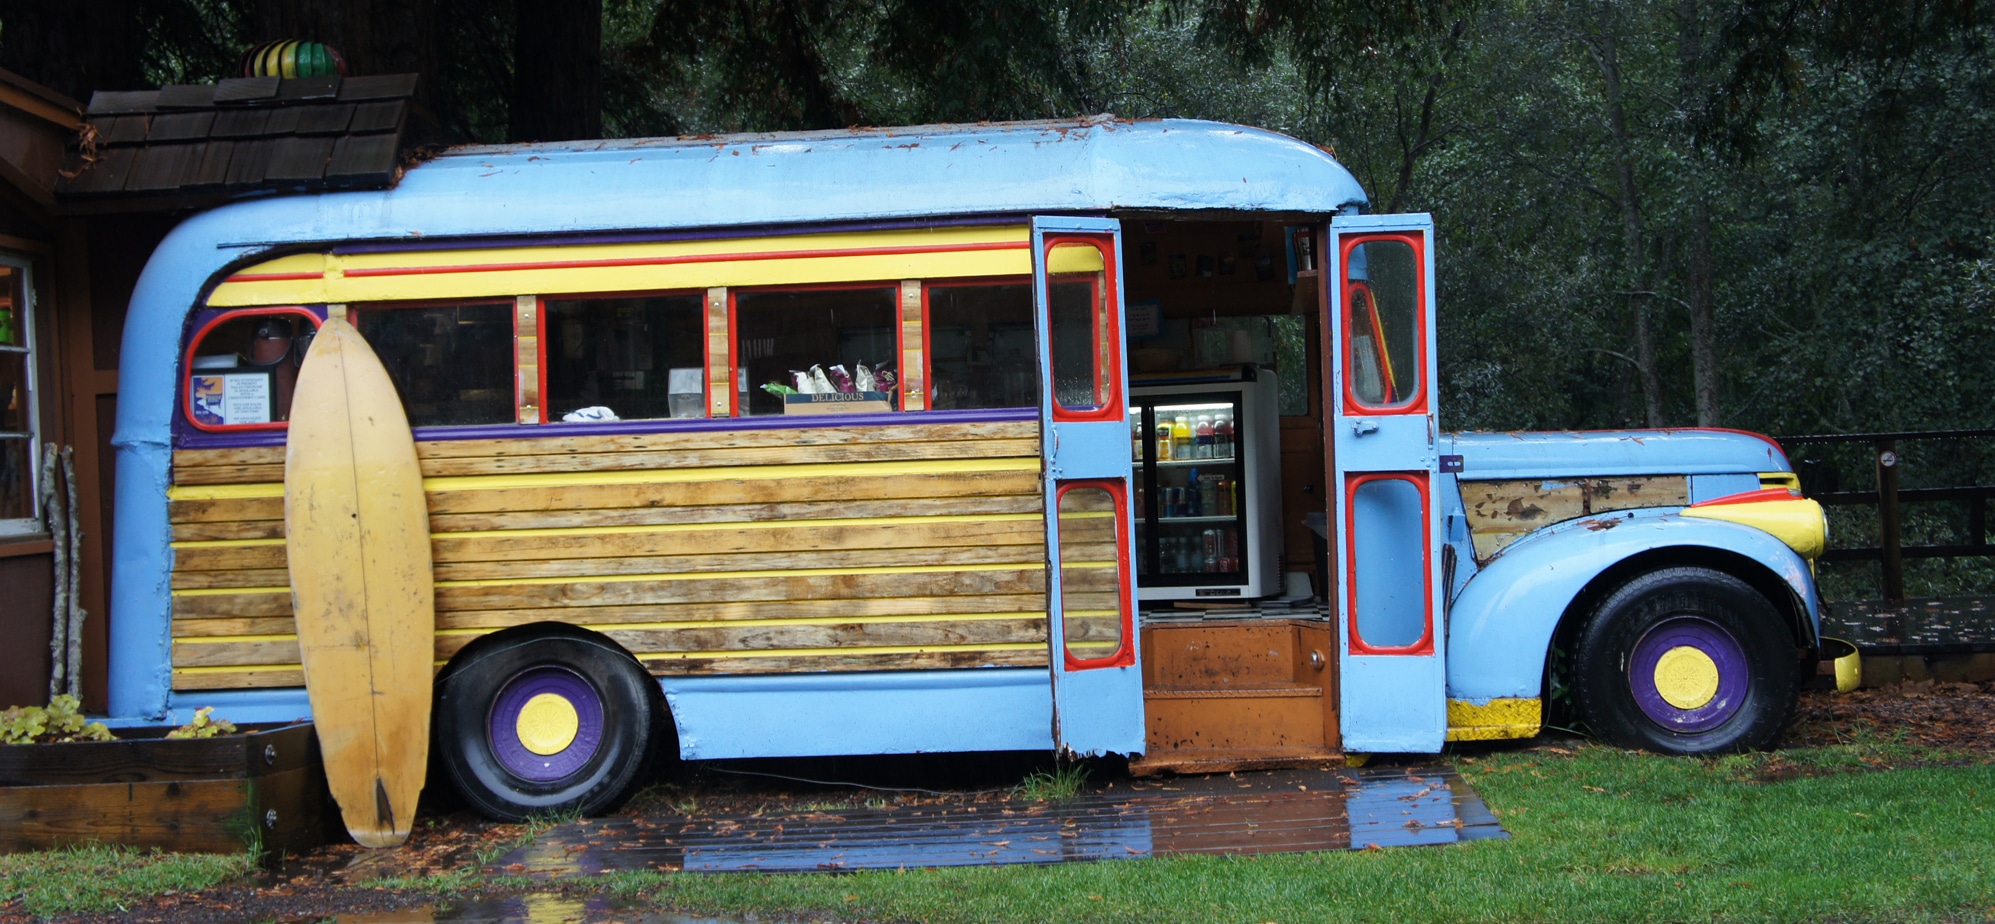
(1864, 830)
(1599, 835)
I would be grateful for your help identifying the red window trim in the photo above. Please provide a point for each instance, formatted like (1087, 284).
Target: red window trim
(1125, 653)
(1346, 244)
(187, 365)
(1419, 480)
(1106, 379)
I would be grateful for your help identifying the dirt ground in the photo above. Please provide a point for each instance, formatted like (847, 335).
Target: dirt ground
(1951, 717)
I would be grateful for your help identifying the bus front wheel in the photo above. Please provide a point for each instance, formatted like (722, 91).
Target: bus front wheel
(1686, 661)
(544, 724)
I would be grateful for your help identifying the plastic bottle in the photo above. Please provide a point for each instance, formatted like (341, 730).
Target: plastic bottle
(1202, 437)
(1222, 437)
(1181, 437)
(1164, 442)
(1222, 490)
(1212, 556)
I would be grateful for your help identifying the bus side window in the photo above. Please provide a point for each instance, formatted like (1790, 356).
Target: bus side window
(451, 363)
(779, 333)
(980, 342)
(638, 356)
(243, 366)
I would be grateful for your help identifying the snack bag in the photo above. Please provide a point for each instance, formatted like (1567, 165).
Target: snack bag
(840, 378)
(804, 384)
(863, 378)
(821, 383)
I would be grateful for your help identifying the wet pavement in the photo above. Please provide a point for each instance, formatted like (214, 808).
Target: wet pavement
(1264, 812)
(536, 908)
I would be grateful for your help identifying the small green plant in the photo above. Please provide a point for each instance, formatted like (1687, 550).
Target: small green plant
(204, 725)
(61, 720)
(1056, 785)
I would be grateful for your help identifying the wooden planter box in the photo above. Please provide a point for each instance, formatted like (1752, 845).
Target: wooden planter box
(263, 789)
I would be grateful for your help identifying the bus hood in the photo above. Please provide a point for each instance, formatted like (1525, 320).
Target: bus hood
(1610, 453)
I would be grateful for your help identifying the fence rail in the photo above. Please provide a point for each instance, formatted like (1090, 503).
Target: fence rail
(1889, 499)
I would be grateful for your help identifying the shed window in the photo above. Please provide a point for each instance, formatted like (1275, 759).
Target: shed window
(981, 348)
(639, 357)
(782, 334)
(452, 363)
(18, 443)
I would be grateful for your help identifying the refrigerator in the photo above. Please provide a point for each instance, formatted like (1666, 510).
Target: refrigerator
(1207, 454)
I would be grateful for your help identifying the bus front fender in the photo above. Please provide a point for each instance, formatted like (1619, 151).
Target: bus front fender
(1501, 625)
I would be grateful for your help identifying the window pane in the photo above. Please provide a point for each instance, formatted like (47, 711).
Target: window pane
(13, 306)
(1383, 300)
(639, 357)
(1090, 574)
(452, 364)
(17, 485)
(245, 368)
(16, 392)
(780, 334)
(1079, 326)
(1389, 562)
(980, 346)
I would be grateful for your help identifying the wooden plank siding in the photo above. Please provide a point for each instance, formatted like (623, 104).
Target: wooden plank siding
(1502, 512)
(755, 551)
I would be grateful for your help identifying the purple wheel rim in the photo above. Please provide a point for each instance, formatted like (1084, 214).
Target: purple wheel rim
(1715, 643)
(503, 727)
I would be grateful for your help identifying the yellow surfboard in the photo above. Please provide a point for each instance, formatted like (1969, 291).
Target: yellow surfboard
(357, 534)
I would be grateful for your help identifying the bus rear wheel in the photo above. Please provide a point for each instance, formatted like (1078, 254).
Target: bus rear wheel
(542, 724)
(1686, 661)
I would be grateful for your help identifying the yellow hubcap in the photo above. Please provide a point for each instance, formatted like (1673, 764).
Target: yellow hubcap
(548, 723)
(1686, 677)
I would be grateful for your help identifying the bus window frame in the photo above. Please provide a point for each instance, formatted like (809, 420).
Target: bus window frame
(208, 327)
(734, 335)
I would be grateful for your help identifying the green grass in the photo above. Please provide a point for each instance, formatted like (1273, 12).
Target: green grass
(1058, 784)
(1599, 835)
(84, 879)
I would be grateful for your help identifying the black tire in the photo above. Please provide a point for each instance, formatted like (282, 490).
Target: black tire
(508, 766)
(1686, 661)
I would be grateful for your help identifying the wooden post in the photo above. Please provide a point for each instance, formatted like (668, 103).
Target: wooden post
(1888, 521)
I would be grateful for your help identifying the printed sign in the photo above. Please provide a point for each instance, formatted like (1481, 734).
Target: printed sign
(227, 399)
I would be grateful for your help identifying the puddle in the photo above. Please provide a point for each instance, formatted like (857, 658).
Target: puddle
(533, 908)
(1266, 812)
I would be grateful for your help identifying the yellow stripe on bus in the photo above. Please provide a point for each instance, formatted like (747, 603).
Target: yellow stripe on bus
(831, 652)
(730, 575)
(813, 258)
(646, 476)
(225, 591)
(662, 528)
(688, 624)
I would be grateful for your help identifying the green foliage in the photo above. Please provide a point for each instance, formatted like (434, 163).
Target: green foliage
(61, 720)
(203, 725)
(1059, 784)
(99, 879)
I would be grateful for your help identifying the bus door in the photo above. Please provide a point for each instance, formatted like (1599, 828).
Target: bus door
(1393, 645)
(1090, 597)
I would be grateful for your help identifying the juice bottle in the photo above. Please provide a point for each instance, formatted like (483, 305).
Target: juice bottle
(1164, 442)
(1202, 437)
(1181, 438)
(1222, 437)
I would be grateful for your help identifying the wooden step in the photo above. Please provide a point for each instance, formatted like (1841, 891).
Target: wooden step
(1226, 760)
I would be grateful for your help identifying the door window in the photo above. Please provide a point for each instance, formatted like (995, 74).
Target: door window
(1390, 604)
(1094, 610)
(1082, 331)
(1383, 334)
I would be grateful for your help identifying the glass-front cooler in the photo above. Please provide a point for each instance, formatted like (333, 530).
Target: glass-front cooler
(1208, 494)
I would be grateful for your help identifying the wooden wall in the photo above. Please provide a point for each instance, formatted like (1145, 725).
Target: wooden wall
(754, 551)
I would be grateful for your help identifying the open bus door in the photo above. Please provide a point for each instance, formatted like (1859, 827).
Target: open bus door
(1083, 400)
(1393, 643)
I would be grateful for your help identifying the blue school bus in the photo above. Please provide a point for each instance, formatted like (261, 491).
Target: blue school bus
(825, 444)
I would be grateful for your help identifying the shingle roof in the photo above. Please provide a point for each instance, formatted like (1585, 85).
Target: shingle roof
(241, 135)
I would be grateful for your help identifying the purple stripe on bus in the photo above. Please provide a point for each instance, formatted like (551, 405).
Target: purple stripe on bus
(187, 437)
(650, 237)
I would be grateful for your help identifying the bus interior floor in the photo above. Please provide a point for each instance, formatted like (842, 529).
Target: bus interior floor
(1272, 811)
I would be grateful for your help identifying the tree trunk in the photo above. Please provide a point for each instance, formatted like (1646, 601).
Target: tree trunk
(1633, 271)
(557, 71)
(1698, 270)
